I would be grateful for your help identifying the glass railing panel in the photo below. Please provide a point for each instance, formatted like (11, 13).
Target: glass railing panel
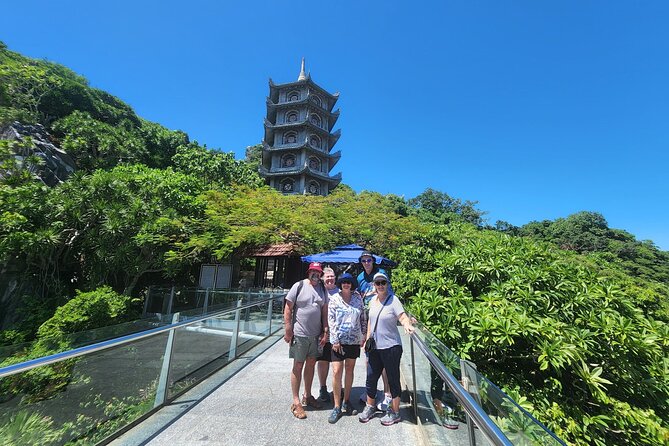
(80, 339)
(157, 300)
(81, 400)
(254, 326)
(199, 349)
(223, 299)
(518, 425)
(85, 399)
(277, 311)
(515, 423)
(440, 418)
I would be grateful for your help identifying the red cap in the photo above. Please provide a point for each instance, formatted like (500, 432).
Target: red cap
(315, 266)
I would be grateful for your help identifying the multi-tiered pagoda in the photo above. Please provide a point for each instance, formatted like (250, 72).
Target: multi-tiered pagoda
(296, 156)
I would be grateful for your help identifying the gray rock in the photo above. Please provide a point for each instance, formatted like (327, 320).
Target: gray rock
(58, 165)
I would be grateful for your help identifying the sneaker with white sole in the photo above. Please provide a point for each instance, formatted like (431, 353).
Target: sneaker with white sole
(367, 414)
(385, 404)
(390, 418)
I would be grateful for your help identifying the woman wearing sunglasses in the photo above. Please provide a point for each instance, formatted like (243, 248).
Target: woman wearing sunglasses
(348, 329)
(385, 310)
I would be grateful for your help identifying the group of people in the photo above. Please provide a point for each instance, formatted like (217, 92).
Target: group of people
(329, 320)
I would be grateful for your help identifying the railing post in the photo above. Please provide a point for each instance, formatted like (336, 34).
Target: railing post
(235, 334)
(168, 308)
(206, 302)
(413, 377)
(470, 386)
(163, 381)
(146, 300)
(270, 308)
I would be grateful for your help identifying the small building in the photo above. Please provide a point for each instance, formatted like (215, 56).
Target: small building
(277, 266)
(298, 140)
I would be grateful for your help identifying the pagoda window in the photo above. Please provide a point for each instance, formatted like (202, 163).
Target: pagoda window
(315, 119)
(316, 100)
(314, 163)
(293, 96)
(314, 141)
(290, 138)
(314, 188)
(287, 185)
(292, 116)
(288, 160)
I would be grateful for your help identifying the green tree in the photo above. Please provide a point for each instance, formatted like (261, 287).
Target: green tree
(26, 84)
(95, 144)
(253, 156)
(439, 207)
(215, 168)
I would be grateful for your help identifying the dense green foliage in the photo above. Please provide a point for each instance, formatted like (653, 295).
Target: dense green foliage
(585, 344)
(588, 232)
(87, 311)
(570, 314)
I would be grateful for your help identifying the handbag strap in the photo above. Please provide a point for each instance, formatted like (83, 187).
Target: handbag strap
(379, 315)
(299, 290)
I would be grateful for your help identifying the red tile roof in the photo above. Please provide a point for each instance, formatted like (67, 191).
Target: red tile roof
(282, 249)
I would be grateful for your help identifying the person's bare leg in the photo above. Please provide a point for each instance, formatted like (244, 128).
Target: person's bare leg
(337, 370)
(295, 379)
(396, 404)
(348, 380)
(309, 366)
(323, 369)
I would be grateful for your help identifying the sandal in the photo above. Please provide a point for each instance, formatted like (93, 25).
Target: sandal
(298, 412)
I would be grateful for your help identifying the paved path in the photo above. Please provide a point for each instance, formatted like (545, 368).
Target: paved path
(253, 408)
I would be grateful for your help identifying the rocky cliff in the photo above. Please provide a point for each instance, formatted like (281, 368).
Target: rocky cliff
(58, 165)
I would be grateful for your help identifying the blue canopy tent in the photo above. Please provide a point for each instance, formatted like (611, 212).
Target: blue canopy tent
(346, 254)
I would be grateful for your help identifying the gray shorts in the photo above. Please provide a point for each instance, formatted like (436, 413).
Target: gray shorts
(302, 348)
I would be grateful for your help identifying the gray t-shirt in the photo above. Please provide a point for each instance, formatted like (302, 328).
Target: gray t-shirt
(387, 334)
(308, 307)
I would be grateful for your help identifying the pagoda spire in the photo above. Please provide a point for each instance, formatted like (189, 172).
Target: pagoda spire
(302, 76)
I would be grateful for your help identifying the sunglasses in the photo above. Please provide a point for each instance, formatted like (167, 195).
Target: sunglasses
(367, 260)
(381, 283)
(346, 282)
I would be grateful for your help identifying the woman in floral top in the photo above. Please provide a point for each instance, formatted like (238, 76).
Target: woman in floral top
(348, 331)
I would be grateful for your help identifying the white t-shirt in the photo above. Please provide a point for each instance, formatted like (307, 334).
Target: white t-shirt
(387, 334)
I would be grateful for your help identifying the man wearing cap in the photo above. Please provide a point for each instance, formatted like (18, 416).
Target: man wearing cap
(366, 277)
(305, 319)
(368, 292)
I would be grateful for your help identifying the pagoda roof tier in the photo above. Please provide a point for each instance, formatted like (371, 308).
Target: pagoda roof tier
(297, 124)
(274, 89)
(299, 170)
(271, 128)
(272, 108)
(333, 158)
(300, 146)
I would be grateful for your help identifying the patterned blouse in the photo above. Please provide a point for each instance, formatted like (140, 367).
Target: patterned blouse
(347, 321)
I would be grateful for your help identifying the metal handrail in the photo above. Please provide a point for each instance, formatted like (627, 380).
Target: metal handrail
(111, 343)
(481, 419)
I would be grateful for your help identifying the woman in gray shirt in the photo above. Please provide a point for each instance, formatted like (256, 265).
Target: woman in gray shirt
(385, 310)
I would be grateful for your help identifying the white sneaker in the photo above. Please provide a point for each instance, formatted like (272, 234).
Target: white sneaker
(383, 406)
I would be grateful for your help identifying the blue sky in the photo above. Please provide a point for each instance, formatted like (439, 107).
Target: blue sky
(535, 109)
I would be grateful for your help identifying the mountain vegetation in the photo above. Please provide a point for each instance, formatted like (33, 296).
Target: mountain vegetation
(569, 316)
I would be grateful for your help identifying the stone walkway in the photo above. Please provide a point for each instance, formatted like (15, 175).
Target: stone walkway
(252, 407)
